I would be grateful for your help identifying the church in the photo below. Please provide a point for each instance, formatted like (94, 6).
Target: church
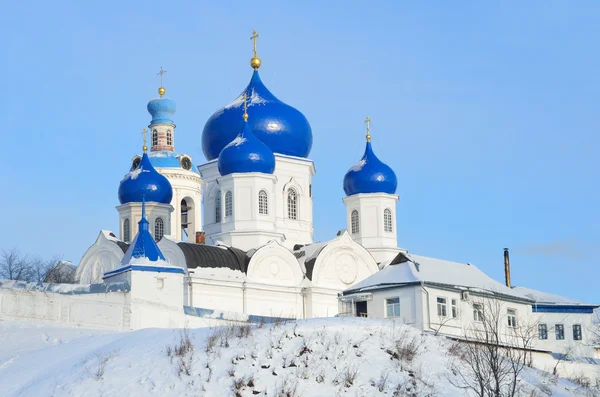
(240, 225)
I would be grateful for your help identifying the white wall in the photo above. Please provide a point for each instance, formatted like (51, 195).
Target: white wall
(107, 311)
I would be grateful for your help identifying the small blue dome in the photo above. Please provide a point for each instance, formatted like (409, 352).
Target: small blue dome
(370, 175)
(161, 110)
(145, 182)
(281, 127)
(246, 153)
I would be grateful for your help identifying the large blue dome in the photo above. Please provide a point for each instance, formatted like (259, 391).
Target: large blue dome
(370, 175)
(161, 110)
(145, 182)
(246, 153)
(281, 127)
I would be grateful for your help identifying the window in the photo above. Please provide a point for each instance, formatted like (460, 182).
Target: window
(392, 307)
(263, 203)
(228, 204)
(154, 137)
(159, 229)
(126, 231)
(560, 331)
(169, 137)
(576, 332)
(511, 315)
(184, 216)
(292, 200)
(441, 307)
(542, 331)
(354, 221)
(387, 220)
(135, 163)
(218, 207)
(477, 312)
(454, 308)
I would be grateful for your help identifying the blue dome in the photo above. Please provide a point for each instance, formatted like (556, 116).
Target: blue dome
(161, 110)
(281, 127)
(246, 153)
(145, 182)
(370, 175)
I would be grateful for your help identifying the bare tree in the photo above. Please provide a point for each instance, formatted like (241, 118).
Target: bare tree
(490, 362)
(14, 265)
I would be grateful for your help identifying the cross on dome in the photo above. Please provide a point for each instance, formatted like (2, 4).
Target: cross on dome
(161, 90)
(144, 133)
(368, 125)
(255, 61)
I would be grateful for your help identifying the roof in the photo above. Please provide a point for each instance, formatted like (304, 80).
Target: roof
(307, 256)
(205, 256)
(110, 236)
(549, 299)
(415, 269)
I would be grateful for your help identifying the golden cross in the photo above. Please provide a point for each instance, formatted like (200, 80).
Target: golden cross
(368, 124)
(254, 37)
(145, 132)
(161, 74)
(245, 98)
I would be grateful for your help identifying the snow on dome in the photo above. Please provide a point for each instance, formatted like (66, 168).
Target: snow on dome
(370, 175)
(146, 182)
(246, 153)
(281, 127)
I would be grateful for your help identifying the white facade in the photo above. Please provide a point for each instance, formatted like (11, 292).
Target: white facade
(186, 202)
(453, 313)
(371, 220)
(157, 214)
(289, 218)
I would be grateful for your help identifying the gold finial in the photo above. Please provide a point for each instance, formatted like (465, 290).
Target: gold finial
(368, 125)
(245, 116)
(255, 61)
(161, 90)
(144, 148)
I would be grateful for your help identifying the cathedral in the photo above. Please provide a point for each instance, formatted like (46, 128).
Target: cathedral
(240, 225)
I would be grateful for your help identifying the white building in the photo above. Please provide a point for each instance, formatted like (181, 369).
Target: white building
(451, 299)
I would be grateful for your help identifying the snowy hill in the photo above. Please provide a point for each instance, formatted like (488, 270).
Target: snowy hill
(326, 357)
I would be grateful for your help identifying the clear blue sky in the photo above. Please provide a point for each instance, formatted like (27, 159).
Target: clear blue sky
(487, 111)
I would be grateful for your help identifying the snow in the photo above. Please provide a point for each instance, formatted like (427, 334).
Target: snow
(358, 166)
(237, 141)
(547, 298)
(314, 355)
(221, 273)
(134, 174)
(422, 269)
(69, 289)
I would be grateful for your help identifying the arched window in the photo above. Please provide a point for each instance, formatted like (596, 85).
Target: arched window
(159, 229)
(263, 203)
(218, 207)
(169, 137)
(292, 200)
(228, 204)
(126, 231)
(154, 137)
(184, 216)
(387, 220)
(354, 221)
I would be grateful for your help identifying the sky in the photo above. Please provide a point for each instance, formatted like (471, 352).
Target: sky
(487, 112)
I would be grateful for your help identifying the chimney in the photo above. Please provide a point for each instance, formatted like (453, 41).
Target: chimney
(506, 268)
(200, 238)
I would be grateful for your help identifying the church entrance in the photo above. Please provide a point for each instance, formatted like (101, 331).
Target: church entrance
(361, 309)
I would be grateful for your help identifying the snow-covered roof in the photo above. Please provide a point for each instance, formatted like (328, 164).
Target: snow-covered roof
(413, 269)
(549, 299)
(307, 255)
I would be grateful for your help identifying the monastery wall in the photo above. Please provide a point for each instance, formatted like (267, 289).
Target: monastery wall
(20, 301)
